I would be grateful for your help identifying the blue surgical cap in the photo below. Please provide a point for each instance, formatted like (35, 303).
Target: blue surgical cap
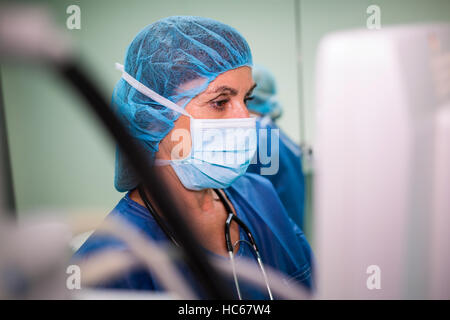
(265, 101)
(177, 57)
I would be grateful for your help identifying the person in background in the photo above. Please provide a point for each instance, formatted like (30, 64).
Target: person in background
(288, 180)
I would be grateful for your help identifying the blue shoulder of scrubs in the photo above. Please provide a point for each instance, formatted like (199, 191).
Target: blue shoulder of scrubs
(138, 278)
(281, 242)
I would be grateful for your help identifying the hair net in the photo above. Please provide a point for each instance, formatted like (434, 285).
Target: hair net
(265, 101)
(167, 56)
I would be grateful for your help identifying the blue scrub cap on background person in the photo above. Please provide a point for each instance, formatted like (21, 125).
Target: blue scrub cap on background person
(164, 56)
(265, 101)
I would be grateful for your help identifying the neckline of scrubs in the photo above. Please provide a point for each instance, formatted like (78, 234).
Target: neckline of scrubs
(145, 214)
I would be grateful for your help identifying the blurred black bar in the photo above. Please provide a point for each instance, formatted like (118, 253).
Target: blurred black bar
(7, 198)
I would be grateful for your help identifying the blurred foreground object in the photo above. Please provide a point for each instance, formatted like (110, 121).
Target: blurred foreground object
(28, 32)
(33, 260)
(383, 164)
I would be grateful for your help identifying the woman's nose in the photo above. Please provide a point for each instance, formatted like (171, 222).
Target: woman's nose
(240, 110)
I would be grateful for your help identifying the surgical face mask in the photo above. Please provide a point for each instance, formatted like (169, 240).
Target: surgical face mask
(221, 149)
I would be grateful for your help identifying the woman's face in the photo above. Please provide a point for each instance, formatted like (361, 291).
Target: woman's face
(224, 98)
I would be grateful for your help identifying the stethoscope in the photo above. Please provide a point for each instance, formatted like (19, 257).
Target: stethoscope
(229, 245)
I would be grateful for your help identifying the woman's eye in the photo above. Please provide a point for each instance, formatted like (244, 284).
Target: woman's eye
(219, 105)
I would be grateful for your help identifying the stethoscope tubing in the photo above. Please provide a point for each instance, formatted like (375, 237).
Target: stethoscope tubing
(229, 245)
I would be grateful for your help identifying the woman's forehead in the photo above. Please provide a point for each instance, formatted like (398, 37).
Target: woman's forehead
(232, 81)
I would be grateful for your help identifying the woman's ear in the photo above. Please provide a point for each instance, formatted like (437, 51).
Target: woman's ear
(181, 143)
(177, 144)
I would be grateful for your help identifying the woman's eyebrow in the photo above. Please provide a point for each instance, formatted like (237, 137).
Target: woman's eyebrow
(223, 90)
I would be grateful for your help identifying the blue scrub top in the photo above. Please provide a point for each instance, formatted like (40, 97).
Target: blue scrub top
(281, 243)
(289, 180)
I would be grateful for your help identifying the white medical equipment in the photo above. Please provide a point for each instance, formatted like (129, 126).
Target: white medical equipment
(382, 223)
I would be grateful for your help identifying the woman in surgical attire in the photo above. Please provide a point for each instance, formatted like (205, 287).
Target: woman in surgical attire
(200, 72)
